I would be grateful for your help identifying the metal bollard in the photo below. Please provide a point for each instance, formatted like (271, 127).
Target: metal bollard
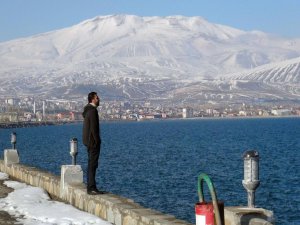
(73, 150)
(13, 139)
(251, 175)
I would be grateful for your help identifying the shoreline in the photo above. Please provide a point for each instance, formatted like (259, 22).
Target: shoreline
(206, 118)
(244, 117)
(24, 124)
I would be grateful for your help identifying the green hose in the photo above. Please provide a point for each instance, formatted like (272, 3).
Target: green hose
(211, 188)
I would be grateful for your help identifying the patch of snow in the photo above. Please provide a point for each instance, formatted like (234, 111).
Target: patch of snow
(32, 206)
(3, 176)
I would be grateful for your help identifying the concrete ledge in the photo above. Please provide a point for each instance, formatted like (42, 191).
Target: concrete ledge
(11, 156)
(70, 174)
(248, 216)
(110, 207)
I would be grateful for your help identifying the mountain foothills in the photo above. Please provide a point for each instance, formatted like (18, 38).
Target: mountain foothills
(175, 58)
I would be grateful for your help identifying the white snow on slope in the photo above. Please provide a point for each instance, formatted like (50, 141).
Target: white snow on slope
(287, 71)
(106, 49)
(189, 46)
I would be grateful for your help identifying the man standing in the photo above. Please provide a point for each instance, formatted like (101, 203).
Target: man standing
(91, 139)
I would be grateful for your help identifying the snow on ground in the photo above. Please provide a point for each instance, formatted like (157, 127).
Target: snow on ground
(33, 206)
(3, 176)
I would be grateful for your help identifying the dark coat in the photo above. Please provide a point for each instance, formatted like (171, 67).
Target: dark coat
(91, 130)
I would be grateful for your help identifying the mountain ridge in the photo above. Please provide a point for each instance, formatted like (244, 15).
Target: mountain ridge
(107, 50)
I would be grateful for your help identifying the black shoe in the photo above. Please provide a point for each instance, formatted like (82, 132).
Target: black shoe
(95, 192)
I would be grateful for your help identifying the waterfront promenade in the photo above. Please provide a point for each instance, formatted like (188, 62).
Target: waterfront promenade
(109, 207)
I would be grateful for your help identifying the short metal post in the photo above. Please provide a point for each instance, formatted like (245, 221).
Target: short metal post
(73, 150)
(74, 160)
(251, 199)
(251, 175)
(13, 139)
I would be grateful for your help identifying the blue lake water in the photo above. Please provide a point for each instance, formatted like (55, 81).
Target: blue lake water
(156, 163)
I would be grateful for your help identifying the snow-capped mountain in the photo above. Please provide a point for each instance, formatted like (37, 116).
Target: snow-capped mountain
(287, 71)
(146, 57)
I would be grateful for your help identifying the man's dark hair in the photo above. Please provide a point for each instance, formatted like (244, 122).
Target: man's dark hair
(91, 96)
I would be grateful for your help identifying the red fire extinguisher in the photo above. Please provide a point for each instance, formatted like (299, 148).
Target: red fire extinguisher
(208, 213)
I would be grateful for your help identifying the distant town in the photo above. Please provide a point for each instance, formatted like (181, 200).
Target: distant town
(28, 109)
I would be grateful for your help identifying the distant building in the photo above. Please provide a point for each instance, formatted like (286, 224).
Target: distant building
(263, 113)
(133, 116)
(187, 113)
(212, 112)
(39, 116)
(281, 112)
(157, 116)
(149, 116)
(243, 113)
(9, 117)
(126, 105)
(12, 101)
(27, 116)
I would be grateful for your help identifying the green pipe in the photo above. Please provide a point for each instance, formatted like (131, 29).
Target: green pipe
(204, 177)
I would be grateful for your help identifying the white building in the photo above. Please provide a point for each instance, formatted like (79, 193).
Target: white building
(281, 112)
(9, 117)
(242, 113)
(187, 113)
(12, 101)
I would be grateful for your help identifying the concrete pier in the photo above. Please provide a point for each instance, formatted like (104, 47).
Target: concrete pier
(70, 175)
(110, 207)
(69, 187)
(11, 156)
(248, 216)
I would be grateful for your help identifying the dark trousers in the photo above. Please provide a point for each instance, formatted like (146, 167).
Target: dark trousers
(93, 156)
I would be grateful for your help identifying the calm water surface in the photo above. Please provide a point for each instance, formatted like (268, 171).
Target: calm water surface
(156, 163)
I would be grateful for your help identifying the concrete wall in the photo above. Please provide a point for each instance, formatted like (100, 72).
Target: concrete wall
(239, 215)
(113, 208)
(119, 210)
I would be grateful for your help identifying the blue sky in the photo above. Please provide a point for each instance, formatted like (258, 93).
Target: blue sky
(21, 18)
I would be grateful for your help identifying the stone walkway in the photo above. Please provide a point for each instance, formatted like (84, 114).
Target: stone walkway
(5, 218)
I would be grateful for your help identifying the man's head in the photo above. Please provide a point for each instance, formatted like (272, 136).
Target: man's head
(93, 98)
